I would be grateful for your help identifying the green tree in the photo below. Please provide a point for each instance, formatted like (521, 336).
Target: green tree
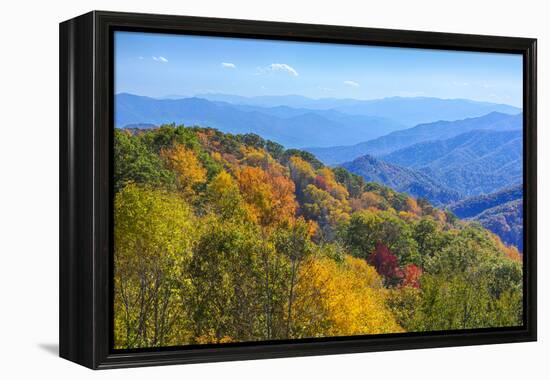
(135, 163)
(329, 213)
(293, 242)
(274, 149)
(354, 184)
(226, 299)
(154, 235)
(366, 228)
(469, 284)
(430, 238)
(252, 139)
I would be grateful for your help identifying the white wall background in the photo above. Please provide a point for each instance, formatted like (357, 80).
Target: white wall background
(29, 187)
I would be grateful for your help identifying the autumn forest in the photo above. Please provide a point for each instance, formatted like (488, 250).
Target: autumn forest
(223, 238)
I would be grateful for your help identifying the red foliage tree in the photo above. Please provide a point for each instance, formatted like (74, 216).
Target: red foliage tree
(411, 276)
(321, 183)
(386, 264)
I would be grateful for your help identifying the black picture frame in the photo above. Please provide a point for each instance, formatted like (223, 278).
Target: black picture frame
(86, 133)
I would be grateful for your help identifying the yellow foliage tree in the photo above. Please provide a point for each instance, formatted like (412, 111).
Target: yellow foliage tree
(510, 251)
(154, 235)
(335, 189)
(256, 157)
(408, 216)
(301, 173)
(326, 210)
(367, 200)
(412, 206)
(185, 164)
(340, 299)
(224, 198)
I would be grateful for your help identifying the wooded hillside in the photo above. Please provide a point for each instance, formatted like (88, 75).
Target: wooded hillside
(229, 238)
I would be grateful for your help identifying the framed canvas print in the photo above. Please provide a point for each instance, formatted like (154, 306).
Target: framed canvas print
(236, 189)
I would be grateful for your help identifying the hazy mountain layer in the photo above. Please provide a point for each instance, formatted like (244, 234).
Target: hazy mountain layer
(404, 110)
(287, 126)
(424, 132)
(402, 179)
(472, 163)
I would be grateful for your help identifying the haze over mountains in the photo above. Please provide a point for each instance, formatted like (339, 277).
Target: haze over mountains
(291, 127)
(472, 163)
(408, 111)
(475, 162)
(296, 121)
(438, 130)
(449, 151)
(402, 179)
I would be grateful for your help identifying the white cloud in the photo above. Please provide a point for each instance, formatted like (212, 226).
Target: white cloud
(283, 67)
(351, 83)
(160, 58)
(229, 65)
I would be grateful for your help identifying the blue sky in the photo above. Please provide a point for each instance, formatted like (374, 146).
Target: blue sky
(158, 65)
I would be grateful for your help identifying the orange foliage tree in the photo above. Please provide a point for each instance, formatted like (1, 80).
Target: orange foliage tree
(271, 198)
(185, 164)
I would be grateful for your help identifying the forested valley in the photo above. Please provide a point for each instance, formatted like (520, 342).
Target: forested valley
(223, 238)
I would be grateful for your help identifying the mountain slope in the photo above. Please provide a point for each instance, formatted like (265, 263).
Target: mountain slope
(424, 132)
(287, 126)
(204, 218)
(378, 126)
(500, 212)
(473, 206)
(506, 221)
(472, 163)
(401, 179)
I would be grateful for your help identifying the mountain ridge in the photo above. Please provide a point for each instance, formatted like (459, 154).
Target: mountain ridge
(500, 212)
(402, 179)
(394, 141)
(297, 130)
(472, 163)
(472, 206)
(405, 110)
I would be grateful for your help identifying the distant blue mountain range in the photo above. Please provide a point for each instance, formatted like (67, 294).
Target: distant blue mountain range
(439, 130)
(291, 127)
(472, 163)
(408, 111)
(296, 121)
(402, 179)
